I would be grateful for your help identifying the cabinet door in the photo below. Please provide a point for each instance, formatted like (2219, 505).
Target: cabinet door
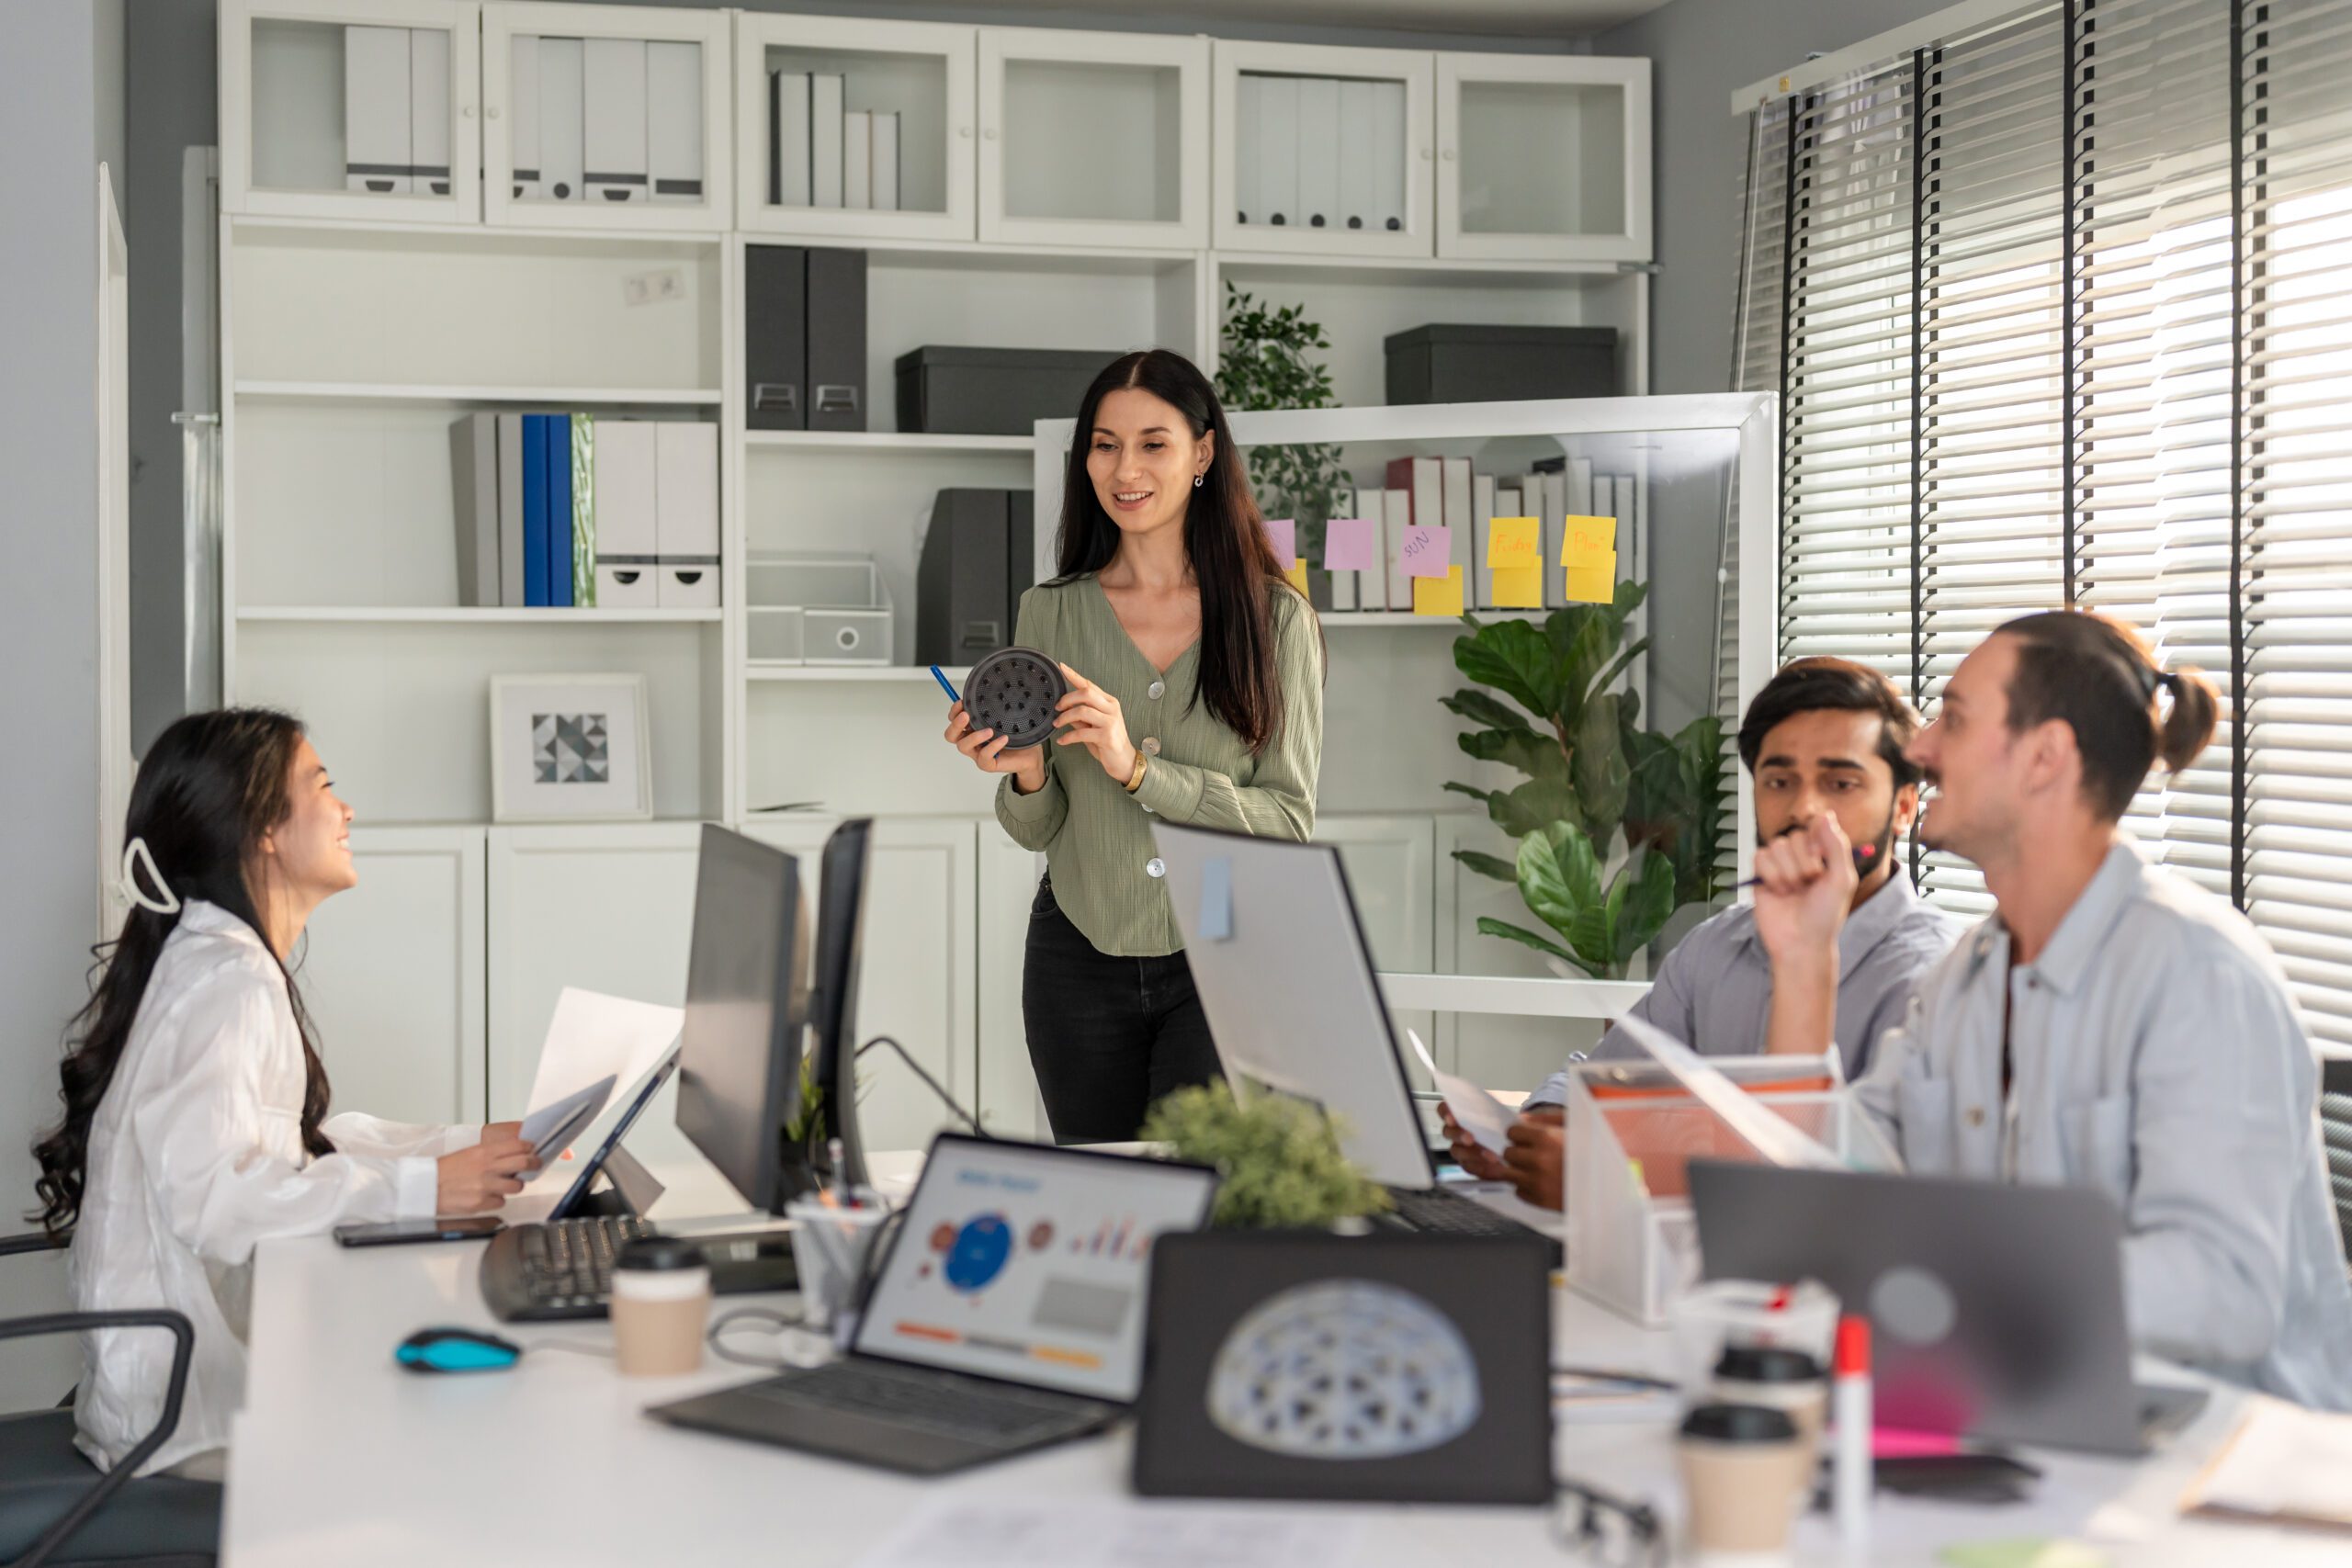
(352, 109)
(916, 979)
(1299, 126)
(609, 909)
(1093, 139)
(606, 116)
(921, 75)
(1499, 1050)
(1387, 860)
(1010, 1105)
(392, 972)
(1543, 157)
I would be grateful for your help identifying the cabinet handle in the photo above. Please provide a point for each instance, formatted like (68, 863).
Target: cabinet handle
(1425, 154)
(467, 112)
(989, 134)
(1449, 154)
(491, 111)
(964, 131)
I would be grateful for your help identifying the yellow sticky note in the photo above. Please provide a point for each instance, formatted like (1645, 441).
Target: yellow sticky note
(1514, 542)
(1519, 587)
(1438, 595)
(1297, 573)
(1593, 581)
(1587, 539)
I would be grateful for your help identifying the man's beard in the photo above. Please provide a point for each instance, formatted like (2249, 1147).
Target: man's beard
(1883, 845)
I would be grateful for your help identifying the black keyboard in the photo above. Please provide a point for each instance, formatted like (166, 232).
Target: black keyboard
(556, 1270)
(1444, 1212)
(928, 1403)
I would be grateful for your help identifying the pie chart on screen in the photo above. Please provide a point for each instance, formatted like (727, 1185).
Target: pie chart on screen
(978, 1253)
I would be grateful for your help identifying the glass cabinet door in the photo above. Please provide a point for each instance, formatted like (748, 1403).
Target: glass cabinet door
(365, 110)
(1093, 139)
(606, 116)
(1323, 150)
(854, 129)
(1543, 158)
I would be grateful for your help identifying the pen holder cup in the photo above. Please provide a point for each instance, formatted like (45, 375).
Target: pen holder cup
(829, 1246)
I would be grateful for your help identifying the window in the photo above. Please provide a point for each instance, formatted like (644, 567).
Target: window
(2060, 310)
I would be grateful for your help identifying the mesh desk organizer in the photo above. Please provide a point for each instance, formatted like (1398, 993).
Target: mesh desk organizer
(1012, 692)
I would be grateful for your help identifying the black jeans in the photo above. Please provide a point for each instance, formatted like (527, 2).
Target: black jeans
(1107, 1036)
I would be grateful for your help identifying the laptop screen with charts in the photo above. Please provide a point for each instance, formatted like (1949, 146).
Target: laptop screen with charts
(1285, 975)
(1028, 1264)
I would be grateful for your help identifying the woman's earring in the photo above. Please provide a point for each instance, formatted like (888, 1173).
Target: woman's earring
(1199, 480)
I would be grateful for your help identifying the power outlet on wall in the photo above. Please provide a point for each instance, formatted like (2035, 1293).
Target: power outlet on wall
(645, 287)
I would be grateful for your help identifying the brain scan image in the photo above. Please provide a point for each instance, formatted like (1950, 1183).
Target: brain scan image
(1344, 1369)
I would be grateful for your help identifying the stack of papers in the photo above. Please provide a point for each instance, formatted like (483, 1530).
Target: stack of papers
(2287, 1465)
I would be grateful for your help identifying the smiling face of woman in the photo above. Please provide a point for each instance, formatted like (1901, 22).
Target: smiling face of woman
(1143, 458)
(307, 855)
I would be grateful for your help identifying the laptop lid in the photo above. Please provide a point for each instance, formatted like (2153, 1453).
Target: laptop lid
(1392, 1369)
(1290, 991)
(1028, 1263)
(1996, 1310)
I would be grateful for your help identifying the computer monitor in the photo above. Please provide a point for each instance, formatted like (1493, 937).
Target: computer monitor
(1290, 990)
(841, 899)
(747, 1004)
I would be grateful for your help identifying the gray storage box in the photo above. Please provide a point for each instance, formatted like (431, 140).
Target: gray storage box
(944, 390)
(1492, 365)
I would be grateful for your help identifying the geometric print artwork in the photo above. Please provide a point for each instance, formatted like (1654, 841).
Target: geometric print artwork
(570, 747)
(1344, 1369)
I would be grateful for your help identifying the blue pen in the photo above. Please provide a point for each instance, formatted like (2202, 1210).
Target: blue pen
(941, 676)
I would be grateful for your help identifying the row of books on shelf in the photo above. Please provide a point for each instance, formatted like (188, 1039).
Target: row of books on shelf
(1319, 152)
(1438, 538)
(823, 155)
(606, 119)
(576, 511)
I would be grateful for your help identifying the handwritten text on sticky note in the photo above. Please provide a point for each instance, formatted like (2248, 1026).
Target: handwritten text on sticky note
(1514, 542)
(1427, 549)
(1586, 539)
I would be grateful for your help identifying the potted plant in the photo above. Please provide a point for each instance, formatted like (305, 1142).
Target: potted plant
(1593, 775)
(1279, 1161)
(1263, 364)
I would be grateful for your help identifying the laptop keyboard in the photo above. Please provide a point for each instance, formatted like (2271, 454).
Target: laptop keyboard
(927, 1403)
(1451, 1214)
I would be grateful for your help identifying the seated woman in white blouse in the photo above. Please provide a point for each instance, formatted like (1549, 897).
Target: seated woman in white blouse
(196, 1107)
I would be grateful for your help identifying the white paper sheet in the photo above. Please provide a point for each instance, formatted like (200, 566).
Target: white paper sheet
(593, 1036)
(1479, 1114)
(957, 1530)
(2285, 1463)
(551, 1127)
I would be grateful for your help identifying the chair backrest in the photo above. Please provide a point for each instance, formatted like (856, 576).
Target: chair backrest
(2336, 1133)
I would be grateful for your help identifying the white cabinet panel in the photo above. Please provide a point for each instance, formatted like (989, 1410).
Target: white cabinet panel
(1497, 1050)
(392, 972)
(608, 908)
(917, 976)
(1387, 860)
(1543, 157)
(1010, 1105)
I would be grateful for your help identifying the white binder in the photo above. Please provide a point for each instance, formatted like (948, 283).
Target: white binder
(673, 121)
(1319, 152)
(687, 526)
(1477, 577)
(886, 160)
(1391, 157)
(562, 126)
(1278, 149)
(523, 115)
(628, 539)
(612, 157)
(788, 138)
(1249, 128)
(428, 111)
(1371, 586)
(1358, 156)
(857, 159)
(1555, 537)
(1397, 512)
(1454, 493)
(824, 141)
(377, 156)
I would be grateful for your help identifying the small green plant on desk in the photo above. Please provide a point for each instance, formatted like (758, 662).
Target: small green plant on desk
(1279, 1161)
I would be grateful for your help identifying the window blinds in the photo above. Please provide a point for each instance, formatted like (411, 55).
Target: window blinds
(2061, 311)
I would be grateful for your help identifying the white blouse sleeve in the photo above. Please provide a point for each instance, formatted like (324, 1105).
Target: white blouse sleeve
(355, 1133)
(200, 1129)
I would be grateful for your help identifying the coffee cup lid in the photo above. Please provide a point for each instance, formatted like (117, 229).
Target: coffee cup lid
(1739, 1424)
(1766, 1363)
(660, 1253)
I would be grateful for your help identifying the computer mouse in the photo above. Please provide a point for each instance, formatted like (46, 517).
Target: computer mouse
(457, 1350)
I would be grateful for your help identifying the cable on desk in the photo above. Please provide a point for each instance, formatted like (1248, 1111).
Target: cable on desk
(782, 1321)
(932, 1083)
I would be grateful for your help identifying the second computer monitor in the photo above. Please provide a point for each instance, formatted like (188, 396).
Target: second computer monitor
(841, 899)
(747, 1007)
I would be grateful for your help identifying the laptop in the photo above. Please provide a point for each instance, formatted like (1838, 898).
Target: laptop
(1388, 1368)
(1997, 1310)
(1007, 1313)
(1284, 973)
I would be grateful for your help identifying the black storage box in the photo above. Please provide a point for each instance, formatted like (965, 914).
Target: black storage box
(976, 564)
(1492, 365)
(945, 389)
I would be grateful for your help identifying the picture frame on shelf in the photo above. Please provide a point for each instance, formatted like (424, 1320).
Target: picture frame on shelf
(570, 748)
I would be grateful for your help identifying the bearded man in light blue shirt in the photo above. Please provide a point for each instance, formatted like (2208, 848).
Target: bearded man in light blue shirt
(2110, 1025)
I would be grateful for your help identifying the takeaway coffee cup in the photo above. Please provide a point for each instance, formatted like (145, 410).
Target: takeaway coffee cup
(1736, 1461)
(660, 1303)
(1785, 1379)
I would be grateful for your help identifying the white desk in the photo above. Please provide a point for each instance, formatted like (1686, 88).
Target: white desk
(340, 1457)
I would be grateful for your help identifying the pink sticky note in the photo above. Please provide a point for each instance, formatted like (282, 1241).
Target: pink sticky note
(1428, 550)
(1283, 532)
(1351, 544)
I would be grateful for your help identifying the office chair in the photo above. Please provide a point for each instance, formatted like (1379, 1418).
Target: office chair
(56, 1510)
(2336, 1131)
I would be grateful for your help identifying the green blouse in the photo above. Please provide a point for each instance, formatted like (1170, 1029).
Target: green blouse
(1096, 836)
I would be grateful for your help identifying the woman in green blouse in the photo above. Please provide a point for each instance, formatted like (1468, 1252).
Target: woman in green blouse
(1197, 693)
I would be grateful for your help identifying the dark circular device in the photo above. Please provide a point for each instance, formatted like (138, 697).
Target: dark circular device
(1012, 692)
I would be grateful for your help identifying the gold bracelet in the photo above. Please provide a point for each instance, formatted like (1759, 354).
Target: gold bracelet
(1135, 780)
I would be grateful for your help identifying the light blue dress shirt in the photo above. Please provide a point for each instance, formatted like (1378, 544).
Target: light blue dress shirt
(2159, 1059)
(1715, 990)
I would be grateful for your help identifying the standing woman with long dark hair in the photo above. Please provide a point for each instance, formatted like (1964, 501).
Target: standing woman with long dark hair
(196, 1106)
(1197, 693)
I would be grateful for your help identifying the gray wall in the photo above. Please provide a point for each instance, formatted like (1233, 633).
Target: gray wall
(60, 111)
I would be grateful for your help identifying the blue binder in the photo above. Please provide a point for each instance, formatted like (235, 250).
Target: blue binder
(534, 510)
(560, 511)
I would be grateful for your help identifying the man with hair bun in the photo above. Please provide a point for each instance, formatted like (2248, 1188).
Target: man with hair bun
(2109, 1025)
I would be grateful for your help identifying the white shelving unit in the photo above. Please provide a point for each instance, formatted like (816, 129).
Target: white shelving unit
(1059, 188)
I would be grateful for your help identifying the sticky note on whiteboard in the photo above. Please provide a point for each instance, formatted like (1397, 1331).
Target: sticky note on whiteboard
(1216, 900)
(1283, 532)
(1514, 542)
(1438, 595)
(1350, 544)
(1586, 539)
(1427, 549)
